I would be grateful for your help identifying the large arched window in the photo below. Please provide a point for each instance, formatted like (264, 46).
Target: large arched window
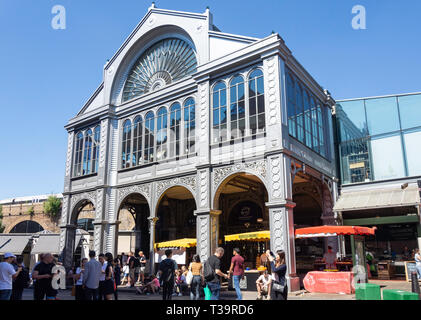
(237, 107)
(149, 137)
(95, 152)
(189, 126)
(175, 122)
(161, 134)
(166, 61)
(137, 141)
(78, 155)
(219, 114)
(126, 144)
(256, 102)
(320, 123)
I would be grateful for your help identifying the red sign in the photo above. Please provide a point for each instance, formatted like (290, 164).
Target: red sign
(329, 282)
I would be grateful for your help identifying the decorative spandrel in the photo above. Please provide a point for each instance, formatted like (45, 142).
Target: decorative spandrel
(167, 61)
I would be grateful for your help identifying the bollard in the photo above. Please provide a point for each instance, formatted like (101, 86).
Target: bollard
(415, 284)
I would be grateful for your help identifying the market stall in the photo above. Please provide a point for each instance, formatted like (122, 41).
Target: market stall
(252, 245)
(183, 250)
(335, 281)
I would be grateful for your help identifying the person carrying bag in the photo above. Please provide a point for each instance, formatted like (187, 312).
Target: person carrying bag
(279, 268)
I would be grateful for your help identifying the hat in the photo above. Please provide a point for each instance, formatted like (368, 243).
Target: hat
(261, 268)
(9, 255)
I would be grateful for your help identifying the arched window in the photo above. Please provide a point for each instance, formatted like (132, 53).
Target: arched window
(162, 134)
(300, 112)
(237, 107)
(175, 122)
(149, 137)
(291, 106)
(87, 153)
(307, 119)
(78, 155)
(219, 107)
(137, 141)
(189, 126)
(27, 226)
(95, 153)
(256, 102)
(126, 144)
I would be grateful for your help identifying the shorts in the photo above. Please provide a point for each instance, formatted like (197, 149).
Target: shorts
(126, 275)
(142, 269)
(137, 270)
(108, 287)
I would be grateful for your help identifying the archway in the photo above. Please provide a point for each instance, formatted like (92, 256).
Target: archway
(176, 220)
(27, 226)
(81, 221)
(242, 198)
(133, 229)
(307, 213)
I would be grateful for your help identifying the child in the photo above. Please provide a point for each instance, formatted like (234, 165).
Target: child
(125, 273)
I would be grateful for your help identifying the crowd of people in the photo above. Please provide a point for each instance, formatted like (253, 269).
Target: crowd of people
(98, 278)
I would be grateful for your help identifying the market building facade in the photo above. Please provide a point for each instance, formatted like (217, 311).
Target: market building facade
(201, 134)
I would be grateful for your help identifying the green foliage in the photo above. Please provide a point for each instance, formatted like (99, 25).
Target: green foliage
(52, 207)
(31, 211)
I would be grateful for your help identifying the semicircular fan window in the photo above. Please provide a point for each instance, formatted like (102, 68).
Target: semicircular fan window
(165, 62)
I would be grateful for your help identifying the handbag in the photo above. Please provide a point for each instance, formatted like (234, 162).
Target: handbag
(189, 278)
(277, 286)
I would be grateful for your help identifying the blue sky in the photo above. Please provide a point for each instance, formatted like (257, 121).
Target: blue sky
(47, 75)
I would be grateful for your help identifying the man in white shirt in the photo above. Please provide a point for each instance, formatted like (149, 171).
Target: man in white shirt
(263, 283)
(7, 275)
(101, 288)
(330, 259)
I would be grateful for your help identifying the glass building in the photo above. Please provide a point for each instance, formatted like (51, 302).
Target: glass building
(379, 138)
(378, 144)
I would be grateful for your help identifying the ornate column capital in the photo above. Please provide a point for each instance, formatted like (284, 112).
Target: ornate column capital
(153, 220)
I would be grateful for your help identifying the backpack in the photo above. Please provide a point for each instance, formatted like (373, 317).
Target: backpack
(208, 272)
(167, 272)
(136, 262)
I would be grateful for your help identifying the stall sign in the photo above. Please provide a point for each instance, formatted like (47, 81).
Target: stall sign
(178, 255)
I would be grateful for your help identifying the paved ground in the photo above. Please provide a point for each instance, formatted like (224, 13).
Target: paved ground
(129, 293)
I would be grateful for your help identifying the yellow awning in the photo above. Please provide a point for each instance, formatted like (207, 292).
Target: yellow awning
(180, 243)
(256, 236)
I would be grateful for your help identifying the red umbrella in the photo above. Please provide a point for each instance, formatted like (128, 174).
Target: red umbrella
(331, 231)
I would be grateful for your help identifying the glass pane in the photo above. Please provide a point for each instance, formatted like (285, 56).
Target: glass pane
(351, 115)
(410, 111)
(413, 152)
(387, 158)
(382, 115)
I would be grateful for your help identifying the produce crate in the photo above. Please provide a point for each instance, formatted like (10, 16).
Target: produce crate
(389, 294)
(367, 291)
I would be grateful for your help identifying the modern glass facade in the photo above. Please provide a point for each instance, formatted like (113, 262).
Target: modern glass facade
(379, 138)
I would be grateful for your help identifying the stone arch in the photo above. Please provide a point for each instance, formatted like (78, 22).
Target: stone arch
(175, 207)
(25, 218)
(77, 205)
(144, 190)
(163, 186)
(225, 179)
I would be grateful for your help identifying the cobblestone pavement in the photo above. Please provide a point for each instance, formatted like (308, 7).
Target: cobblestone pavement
(129, 293)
